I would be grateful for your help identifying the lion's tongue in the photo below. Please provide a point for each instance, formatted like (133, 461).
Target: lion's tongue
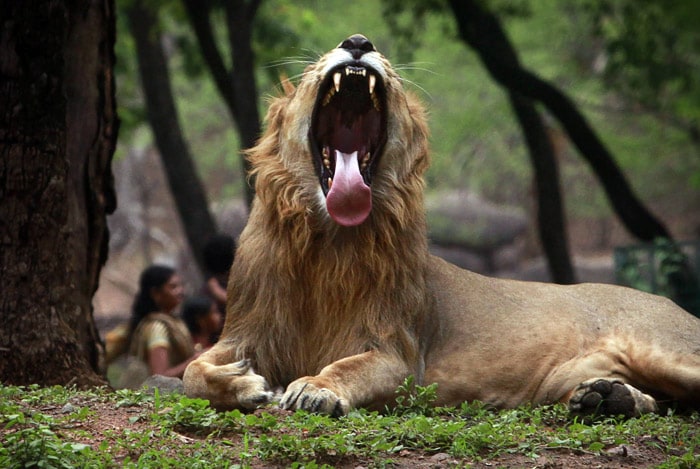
(349, 200)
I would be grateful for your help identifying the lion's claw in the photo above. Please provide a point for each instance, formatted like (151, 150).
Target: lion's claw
(304, 395)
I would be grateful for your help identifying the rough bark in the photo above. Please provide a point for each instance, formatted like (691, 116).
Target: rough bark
(237, 86)
(58, 129)
(185, 185)
(482, 31)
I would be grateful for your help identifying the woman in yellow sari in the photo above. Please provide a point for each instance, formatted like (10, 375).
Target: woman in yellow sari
(156, 336)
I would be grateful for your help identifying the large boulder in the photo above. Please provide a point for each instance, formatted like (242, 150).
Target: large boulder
(462, 225)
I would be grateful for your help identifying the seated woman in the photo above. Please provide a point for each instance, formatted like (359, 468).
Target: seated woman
(159, 339)
(203, 319)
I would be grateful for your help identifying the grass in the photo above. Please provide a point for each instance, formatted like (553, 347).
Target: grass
(64, 427)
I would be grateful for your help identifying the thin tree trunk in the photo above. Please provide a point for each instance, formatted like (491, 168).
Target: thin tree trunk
(186, 187)
(237, 86)
(239, 15)
(58, 130)
(551, 221)
(474, 22)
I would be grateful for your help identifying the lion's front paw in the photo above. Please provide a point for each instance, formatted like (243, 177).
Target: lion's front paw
(252, 391)
(231, 386)
(610, 397)
(305, 395)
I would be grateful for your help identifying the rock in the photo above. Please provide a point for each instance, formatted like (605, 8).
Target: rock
(164, 384)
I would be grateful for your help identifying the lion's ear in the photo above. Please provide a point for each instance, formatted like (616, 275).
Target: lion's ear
(287, 85)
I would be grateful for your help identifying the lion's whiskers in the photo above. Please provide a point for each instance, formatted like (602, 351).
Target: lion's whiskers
(416, 85)
(415, 66)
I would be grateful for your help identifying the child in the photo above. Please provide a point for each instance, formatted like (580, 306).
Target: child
(204, 320)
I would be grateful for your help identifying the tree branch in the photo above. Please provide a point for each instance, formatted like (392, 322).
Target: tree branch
(480, 29)
(198, 14)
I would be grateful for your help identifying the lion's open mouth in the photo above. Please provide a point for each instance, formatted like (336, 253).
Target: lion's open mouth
(347, 136)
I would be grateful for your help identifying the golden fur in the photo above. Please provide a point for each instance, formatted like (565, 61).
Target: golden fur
(338, 316)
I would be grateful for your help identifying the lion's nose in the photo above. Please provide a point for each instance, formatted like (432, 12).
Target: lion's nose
(358, 45)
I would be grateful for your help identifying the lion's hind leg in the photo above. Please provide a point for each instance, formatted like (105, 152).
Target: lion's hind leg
(617, 376)
(605, 396)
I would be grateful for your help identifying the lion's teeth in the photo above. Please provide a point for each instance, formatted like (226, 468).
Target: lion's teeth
(336, 80)
(372, 83)
(327, 163)
(329, 95)
(330, 183)
(365, 161)
(375, 102)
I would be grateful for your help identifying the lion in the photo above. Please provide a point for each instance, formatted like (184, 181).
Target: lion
(334, 299)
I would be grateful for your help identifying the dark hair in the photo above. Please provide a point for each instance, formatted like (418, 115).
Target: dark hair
(218, 253)
(193, 309)
(154, 276)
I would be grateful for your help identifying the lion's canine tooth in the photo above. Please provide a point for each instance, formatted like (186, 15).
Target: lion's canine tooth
(336, 80)
(372, 82)
(327, 163)
(330, 183)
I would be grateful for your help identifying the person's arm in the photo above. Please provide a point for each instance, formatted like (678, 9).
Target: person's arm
(216, 290)
(158, 362)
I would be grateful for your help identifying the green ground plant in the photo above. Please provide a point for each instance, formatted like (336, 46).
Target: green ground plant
(61, 427)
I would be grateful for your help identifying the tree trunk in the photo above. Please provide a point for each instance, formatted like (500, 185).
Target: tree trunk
(483, 32)
(186, 187)
(551, 222)
(239, 15)
(237, 86)
(58, 130)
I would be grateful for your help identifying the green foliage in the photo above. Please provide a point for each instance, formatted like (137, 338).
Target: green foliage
(39, 446)
(412, 398)
(30, 438)
(652, 267)
(652, 51)
(650, 58)
(664, 268)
